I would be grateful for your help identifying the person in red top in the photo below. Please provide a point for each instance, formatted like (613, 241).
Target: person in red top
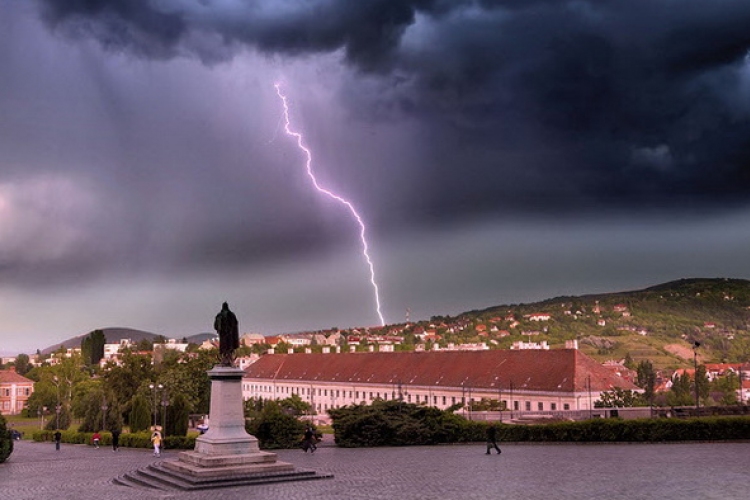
(96, 438)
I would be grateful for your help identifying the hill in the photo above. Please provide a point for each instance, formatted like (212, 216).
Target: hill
(112, 335)
(659, 323)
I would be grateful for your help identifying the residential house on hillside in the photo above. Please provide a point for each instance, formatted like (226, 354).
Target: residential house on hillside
(538, 317)
(249, 339)
(15, 390)
(523, 380)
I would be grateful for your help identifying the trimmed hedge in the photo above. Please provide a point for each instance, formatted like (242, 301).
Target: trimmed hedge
(127, 440)
(398, 424)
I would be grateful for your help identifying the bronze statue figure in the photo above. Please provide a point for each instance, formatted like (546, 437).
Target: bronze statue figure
(229, 336)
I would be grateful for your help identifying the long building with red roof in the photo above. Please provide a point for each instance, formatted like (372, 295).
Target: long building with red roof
(523, 380)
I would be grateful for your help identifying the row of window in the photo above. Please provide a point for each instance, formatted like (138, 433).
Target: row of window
(373, 395)
(6, 405)
(20, 391)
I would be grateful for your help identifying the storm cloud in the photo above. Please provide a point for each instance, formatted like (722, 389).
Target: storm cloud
(143, 139)
(522, 105)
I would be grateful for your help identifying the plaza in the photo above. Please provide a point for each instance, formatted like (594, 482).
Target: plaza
(522, 471)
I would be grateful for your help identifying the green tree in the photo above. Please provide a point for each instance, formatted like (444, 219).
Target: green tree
(22, 364)
(92, 347)
(114, 416)
(140, 414)
(618, 398)
(680, 393)
(646, 379)
(124, 381)
(178, 416)
(726, 386)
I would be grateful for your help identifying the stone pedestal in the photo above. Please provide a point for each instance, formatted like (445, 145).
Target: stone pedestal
(226, 449)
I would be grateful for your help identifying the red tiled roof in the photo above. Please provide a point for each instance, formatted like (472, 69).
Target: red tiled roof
(556, 370)
(11, 377)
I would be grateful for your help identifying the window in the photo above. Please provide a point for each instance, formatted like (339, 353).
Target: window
(444, 398)
(527, 405)
(540, 406)
(553, 406)
(515, 405)
(566, 406)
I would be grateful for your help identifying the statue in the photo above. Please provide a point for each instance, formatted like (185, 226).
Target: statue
(229, 337)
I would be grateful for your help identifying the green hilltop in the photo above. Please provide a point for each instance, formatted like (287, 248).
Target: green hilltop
(659, 323)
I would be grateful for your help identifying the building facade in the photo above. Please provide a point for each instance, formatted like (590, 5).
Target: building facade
(522, 380)
(15, 391)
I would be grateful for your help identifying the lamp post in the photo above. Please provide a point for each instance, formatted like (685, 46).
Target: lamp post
(696, 345)
(104, 413)
(164, 404)
(57, 406)
(154, 389)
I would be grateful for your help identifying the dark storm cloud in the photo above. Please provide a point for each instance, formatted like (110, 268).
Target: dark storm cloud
(523, 105)
(367, 30)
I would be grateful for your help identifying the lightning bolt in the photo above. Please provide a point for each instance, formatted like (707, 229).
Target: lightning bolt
(330, 194)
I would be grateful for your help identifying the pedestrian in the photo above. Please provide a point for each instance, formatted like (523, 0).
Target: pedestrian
(492, 439)
(309, 440)
(156, 441)
(115, 439)
(57, 437)
(96, 438)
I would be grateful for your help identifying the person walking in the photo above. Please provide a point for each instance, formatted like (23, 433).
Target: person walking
(115, 439)
(156, 441)
(96, 438)
(492, 439)
(309, 440)
(57, 436)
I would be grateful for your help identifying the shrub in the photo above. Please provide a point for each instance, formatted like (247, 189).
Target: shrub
(6, 443)
(275, 429)
(396, 424)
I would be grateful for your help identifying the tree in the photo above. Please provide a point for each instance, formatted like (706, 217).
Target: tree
(178, 416)
(680, 394)
(646, 379)
(123, 381)
(618, 398)
(140, 414)
(92, 347)
(726, 386)
(22, 364)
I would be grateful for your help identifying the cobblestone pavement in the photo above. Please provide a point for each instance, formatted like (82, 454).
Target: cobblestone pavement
(702, 470)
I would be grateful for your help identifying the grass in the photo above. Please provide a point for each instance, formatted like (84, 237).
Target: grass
(24, 425)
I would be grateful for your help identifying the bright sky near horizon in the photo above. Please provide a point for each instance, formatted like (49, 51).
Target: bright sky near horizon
(499, 151)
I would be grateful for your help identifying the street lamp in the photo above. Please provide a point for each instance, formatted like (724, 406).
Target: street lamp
(696, 345)
(154, 390)
(164, 404)
(104, 413)
(57, 406)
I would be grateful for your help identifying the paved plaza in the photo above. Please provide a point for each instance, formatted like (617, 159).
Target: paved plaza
(701, 470)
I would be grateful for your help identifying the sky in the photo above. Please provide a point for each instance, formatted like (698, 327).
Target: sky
(498, 152)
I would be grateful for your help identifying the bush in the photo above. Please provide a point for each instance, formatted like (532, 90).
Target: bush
(390, 423)
(275, 429)
(6, 442)
(127, 440)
